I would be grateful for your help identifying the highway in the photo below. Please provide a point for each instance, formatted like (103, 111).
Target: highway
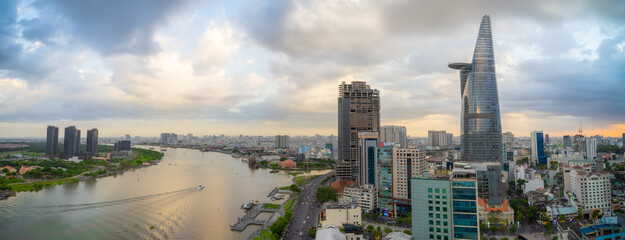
(307, 209)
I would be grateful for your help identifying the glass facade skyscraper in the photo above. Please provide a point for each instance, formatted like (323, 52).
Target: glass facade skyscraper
(368, 154)
(464, 208)
(480, 119)
(385, 180)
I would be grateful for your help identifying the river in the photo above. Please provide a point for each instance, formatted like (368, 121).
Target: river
(156, 202)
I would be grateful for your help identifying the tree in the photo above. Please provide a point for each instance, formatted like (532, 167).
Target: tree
(370, 228)
(504, 238)
(554, 238)
(379, 228)
(483, 227)
(294, 188)
(548, 226)
(513, 228)
(408, 232)
(532, 212)
(493, 238)
(388, 230)
(312, 232)
(562, 218)
(493, 228)
(326, 194)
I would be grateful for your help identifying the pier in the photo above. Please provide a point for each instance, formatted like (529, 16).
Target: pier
(250, 218)
(275, 190)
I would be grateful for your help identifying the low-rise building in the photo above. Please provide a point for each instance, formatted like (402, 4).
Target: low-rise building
(533, 184)
(554, 212)
(9, 168)
(398, 236)
(339, 186)
(26, 168)
(340, 214)
(363, 196)
(287, 164)
(495, 214)
(330, 232)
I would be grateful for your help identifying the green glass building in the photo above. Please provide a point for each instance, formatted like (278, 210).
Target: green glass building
(385, 181)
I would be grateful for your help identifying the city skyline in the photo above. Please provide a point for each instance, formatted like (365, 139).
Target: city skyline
(226, 71)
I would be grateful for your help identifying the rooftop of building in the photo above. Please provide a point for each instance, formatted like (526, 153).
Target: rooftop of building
(561, 210)
(504, 207)
(339, 186)
(570, 225)
(397, 236)
(600, 227)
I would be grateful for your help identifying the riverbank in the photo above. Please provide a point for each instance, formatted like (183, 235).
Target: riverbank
(139, 158)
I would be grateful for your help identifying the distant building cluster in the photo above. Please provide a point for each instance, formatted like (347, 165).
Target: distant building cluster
(71, 142)
(440, 139)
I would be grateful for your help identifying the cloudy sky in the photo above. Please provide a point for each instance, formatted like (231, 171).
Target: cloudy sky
(272, 67)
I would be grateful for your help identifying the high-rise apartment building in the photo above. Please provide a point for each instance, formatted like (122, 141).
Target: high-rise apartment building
(508, 140)
(358, 111)
(567, 141)
(446, 206)
(591, 148)
(394, 134)
(164, 138)
(92, 141)
(122, 145)
(367, 157)
(407, 163)
(440, 138)
(282, 141)
(623, 140)
(480, 118)
(547, 139)
(538, 147)
(385, 180)
(593, 190)
(169, 138)
(71, 142)
(52, 140)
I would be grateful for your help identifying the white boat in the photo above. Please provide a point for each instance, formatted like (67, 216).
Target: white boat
(200, 187)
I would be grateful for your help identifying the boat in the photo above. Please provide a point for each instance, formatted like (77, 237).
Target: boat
(163, 150)
(151, 148)
(248, 205)
(274, 171)
(200, 187)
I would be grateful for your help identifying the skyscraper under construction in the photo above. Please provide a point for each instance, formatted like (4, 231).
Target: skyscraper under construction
(358, 111)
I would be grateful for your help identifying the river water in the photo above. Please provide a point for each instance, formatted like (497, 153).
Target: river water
(128, 205)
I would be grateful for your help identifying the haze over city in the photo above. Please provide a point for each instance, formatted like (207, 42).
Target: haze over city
(263, 68)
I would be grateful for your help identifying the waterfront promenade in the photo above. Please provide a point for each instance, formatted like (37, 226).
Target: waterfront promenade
(250, 218)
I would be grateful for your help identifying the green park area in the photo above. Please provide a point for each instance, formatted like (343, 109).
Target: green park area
(53, 171)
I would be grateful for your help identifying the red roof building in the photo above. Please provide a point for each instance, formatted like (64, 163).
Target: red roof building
(339, 186)
(287, 164)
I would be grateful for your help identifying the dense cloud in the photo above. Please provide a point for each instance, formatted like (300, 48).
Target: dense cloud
(278, 63)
